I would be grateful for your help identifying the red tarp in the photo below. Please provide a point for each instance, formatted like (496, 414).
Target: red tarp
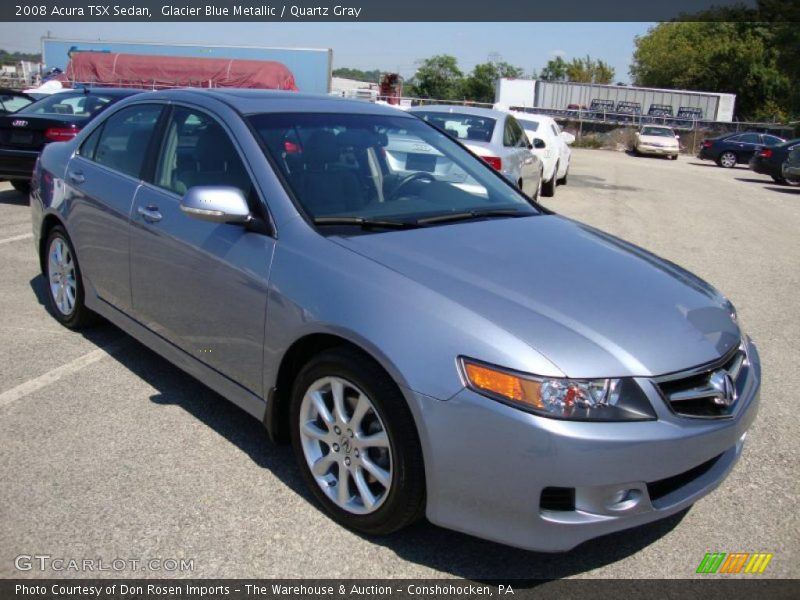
(142, 70)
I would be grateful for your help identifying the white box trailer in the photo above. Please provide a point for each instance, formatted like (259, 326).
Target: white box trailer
(515, 92)
(561, 95)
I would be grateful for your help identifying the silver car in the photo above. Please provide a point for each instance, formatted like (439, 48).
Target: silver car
(430, 340)
(495, 136)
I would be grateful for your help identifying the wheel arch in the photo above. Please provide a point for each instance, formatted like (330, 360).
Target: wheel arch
(303, 349)
(49, 221)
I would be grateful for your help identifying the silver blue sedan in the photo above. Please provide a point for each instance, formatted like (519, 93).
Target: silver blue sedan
(430, 340)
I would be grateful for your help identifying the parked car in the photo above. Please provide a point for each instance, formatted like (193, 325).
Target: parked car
(769, 160)
(495, 136)
(791, 166)
(733, 148)
(628, 112)
(56, 118)
(552, 148)
(658, 140)
(430, 340)
(601, 108)
(12, 101)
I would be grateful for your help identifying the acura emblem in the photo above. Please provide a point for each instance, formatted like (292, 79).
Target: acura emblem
(722, 382)
(19, 123)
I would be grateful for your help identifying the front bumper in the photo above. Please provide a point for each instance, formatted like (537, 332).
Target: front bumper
(17, 164)
(487, 465)
(659, 150)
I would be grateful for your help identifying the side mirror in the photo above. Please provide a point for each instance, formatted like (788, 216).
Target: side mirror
(217, 204)
(677, 137)
(538, 143)
(568, 137)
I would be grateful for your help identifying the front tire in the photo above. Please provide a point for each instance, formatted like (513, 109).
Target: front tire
(64, 281)
(356, 443)
(727, 160)
(563, 180)
(549, 187)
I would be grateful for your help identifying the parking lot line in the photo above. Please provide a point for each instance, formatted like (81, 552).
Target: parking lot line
(37, 383)
(16, 238)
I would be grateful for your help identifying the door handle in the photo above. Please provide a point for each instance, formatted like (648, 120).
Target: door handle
(76, 177)
(150, 213)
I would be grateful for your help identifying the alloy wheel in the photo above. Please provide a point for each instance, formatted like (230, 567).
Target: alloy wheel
(346, 445)
(61, 272)
(728, 160)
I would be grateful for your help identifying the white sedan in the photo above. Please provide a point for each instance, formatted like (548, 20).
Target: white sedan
(658, 140)
(550, 144)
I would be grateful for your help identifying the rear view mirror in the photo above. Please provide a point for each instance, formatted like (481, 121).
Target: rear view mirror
(216, 203)
(538, 143)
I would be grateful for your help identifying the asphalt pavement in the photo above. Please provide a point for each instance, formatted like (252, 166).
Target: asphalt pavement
(109, 453)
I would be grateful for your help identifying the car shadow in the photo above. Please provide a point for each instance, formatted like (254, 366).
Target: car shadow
(751, 180)
(12, 196)
(425, 544)
(783, 190)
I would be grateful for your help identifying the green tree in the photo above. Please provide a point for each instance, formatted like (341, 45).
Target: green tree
(589, 70)
(373, 76)
(755, 60)
(554, 70)
(438, 77)
(480, 84)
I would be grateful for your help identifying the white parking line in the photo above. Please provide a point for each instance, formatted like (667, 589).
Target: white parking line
(33, 385)
(16, 238)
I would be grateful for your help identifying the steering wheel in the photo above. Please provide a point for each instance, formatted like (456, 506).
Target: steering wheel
(417, 176)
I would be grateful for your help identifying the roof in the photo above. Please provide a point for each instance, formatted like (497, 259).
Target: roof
(251, 101)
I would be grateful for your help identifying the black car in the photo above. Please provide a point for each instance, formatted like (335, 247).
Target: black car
(13, 100)
(56, 118)
(791, 167)
(733, 148)
(769, 160)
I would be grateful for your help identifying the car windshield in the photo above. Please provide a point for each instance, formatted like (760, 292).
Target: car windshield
(393, 169)
(461, 126)
(65, 103)
(660, 131)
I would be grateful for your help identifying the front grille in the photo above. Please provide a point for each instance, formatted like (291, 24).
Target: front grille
(708, 392)
(558, 498)
(662, 487)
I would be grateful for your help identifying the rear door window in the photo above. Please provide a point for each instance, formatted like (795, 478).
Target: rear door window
(749, 138)
(125, 139)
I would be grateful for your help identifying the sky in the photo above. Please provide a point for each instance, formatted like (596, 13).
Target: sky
(387, 46)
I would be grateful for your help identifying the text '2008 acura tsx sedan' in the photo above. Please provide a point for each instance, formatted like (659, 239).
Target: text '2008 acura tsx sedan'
(430, 340)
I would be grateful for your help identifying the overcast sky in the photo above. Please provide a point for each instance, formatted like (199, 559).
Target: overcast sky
(385, 46)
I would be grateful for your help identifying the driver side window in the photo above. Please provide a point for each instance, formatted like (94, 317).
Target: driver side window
(198, 151)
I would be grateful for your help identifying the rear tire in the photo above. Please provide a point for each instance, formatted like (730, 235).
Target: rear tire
(727, 160)
(549, 187)
(23, 186)
(65, 291)
(327, 432)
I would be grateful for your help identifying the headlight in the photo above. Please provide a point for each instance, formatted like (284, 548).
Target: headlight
(577, 399)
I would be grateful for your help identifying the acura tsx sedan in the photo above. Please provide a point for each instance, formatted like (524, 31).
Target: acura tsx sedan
(430, 340)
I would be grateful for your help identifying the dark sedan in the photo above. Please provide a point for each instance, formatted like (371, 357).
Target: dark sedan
(790, 170)
(56, 118)
(733, 148)
(769, 160)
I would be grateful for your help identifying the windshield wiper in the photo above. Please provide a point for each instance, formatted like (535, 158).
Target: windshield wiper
(474, 214)
(366, 223)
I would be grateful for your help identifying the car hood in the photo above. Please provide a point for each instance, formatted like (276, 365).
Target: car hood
(594, 305)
